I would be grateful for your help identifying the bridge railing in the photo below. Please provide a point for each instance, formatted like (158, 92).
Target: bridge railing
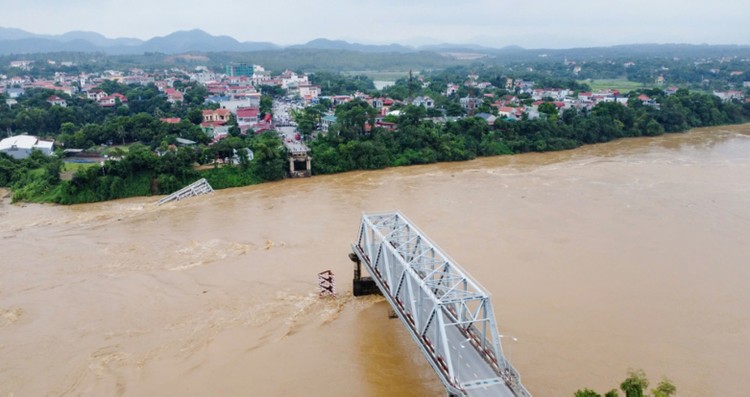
(440, 304)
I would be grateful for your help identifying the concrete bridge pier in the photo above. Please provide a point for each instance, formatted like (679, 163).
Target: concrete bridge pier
(300, 164)
(362, 285)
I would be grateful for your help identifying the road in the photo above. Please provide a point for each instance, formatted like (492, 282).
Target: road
(288, 130)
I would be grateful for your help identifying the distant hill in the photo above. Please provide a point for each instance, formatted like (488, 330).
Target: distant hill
(17, 41)
(198, 40)
(98, 39)
(37, 45)
(326, 44)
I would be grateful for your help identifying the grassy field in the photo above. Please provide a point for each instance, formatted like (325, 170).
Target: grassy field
(622, 85)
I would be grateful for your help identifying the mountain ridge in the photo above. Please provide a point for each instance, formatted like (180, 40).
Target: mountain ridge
(18, 41)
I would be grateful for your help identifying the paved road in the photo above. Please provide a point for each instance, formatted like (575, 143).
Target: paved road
(471, 367)
(469, 364)
(289, 135)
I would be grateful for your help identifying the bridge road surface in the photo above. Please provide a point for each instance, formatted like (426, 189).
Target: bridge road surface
(470, 365)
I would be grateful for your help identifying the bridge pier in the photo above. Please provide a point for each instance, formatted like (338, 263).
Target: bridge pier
(362, 286)
(300, 164)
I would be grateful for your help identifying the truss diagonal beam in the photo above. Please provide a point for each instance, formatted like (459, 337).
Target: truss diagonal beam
(448, 314)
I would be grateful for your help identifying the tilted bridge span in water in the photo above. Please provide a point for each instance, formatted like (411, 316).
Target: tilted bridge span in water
(447, 313)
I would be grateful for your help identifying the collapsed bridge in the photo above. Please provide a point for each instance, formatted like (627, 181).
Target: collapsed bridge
(447, 313)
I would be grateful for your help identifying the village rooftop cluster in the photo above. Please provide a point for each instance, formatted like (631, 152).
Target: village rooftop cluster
(237, 92)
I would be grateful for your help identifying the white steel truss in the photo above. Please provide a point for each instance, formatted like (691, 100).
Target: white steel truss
(444, 310)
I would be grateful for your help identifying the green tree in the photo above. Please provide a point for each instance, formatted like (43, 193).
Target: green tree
(665, 388)
(586, 393)
(270, 159)
(635, 384)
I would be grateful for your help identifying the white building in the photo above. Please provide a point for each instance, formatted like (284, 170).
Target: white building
(289, 78)
(241, 101)
(21, 146)
(309, 91)
(423, 101)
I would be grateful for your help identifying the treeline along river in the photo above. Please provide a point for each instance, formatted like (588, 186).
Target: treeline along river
(626, 254)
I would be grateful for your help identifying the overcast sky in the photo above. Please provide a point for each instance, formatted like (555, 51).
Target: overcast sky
(531, 24)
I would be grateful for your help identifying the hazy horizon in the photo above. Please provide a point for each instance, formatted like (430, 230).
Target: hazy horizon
(543, 24)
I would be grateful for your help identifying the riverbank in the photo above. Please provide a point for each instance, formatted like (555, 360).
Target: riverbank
(351, 146)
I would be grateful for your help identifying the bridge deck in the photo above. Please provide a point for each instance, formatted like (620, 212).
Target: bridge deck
(447, 313)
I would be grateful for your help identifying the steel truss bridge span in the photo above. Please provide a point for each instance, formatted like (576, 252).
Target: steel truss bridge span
(446, 312)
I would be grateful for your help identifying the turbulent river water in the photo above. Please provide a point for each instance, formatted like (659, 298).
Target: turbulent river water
(631, 254)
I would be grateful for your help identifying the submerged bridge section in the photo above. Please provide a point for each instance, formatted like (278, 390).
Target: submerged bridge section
(447, 313)
(196, 188)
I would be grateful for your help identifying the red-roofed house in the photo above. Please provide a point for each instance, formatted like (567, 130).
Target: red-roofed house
(509, 112)
(111, 100)
(173, 96)
(247, 115)
(216, 116)
(171, 120)
(55, 100)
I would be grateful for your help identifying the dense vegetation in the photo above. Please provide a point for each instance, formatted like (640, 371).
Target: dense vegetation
(142, 172)
(635, 385)
(349, 145)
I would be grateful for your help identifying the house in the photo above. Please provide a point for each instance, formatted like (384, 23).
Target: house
(489, 118)
(452, 89)
(23, 65)
(247, 115)
(17, 81)
(15, 93)
(291, 79)
(216, 116)
(55, 100)
(111, 100)
(727, 96)
(510, 113)
(470, 103)
(217, 133)
(327, 121)
(173, 96)
(232, 103)
(671, 90)
(423, 101)
(386, 125)
(171, 120)
(96, 95)
(20, 146)
(309, 92)
(648, 101)
(249, 155)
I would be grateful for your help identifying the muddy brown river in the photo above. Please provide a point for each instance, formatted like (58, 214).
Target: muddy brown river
(631, 254)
